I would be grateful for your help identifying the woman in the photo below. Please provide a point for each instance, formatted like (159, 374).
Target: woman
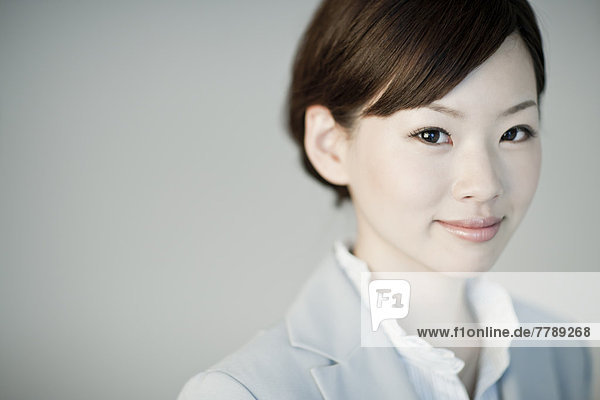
(425, 114)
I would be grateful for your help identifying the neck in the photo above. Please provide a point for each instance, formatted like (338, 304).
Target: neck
(435, 297)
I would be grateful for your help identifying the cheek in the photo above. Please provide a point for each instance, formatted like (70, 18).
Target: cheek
(524, 171)
(394, 180)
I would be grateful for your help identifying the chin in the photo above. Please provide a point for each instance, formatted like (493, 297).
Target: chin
(468, 265)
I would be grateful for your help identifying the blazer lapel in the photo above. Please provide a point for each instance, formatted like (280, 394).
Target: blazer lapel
(375, 372)
(326, 319)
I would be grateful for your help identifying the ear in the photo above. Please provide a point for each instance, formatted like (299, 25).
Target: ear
(326, 144)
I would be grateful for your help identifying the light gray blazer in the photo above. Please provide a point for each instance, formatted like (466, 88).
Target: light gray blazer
(315, 353)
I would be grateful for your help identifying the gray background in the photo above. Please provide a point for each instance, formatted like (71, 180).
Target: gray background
(153, 214)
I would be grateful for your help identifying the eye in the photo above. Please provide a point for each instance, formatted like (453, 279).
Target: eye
(432, 136)
(518, 134)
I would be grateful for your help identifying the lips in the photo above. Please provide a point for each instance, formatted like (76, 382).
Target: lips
(475, 229)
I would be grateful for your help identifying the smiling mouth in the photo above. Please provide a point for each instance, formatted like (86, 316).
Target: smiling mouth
(477, 229)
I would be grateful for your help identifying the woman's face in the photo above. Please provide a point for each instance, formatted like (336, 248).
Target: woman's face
(466, 156)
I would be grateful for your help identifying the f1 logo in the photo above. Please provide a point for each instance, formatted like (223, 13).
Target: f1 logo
(389, 299)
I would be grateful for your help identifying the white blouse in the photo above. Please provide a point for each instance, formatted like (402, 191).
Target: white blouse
(434, 371)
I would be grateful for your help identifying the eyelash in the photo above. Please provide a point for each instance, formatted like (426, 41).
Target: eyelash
(529, 133)
(420, 131)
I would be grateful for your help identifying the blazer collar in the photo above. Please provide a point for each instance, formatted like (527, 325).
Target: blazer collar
(326, 319)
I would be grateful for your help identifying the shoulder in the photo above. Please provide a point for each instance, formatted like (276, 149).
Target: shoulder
(265, 367)
(281, 362)
(214, 385)
(574, 371)
(571, 365)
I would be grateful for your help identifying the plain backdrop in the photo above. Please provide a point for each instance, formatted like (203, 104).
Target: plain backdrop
(153, 212)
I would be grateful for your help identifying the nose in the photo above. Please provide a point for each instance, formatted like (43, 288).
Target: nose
(477, 176)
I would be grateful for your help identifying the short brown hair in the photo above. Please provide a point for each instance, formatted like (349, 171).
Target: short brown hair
(410, 52)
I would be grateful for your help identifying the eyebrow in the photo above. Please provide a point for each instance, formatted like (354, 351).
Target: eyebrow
(457, 114)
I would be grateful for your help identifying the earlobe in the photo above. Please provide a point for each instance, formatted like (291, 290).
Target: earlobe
(325, 143)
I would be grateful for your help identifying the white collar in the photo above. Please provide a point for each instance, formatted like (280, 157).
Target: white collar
(490, 302)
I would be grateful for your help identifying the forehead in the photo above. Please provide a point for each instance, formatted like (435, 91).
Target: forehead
(503, 80)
